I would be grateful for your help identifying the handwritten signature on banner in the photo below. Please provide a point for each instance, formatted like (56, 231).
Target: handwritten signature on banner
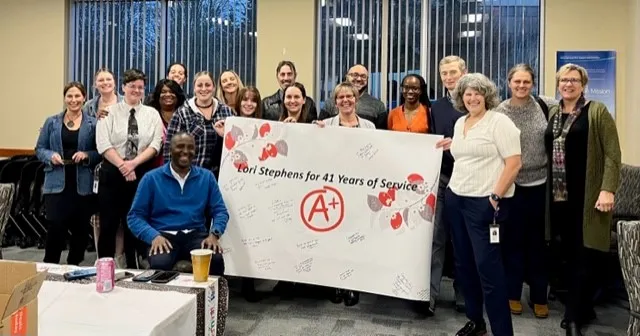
(235, 184)
(304, 266)
(367, 152)
(281, 211)
(308, 245)
(355, 238)
(256, 241)
(401, 285)
(346, 274)
(247, 211)
(265, 264)
(267, 184)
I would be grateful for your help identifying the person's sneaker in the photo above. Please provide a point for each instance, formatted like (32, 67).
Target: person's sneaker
(473, 329)
(541, 311)
(515, 307)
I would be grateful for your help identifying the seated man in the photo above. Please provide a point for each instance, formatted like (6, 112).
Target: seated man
(170, 207)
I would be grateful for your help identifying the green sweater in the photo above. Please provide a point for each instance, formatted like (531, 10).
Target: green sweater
(603, 173)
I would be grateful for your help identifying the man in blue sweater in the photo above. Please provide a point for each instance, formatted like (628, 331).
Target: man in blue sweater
(442, 119)
(171, 207)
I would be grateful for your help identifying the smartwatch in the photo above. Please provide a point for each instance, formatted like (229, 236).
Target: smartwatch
(495, 197)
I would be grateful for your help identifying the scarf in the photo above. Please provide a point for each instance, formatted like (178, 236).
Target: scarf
(560, 131)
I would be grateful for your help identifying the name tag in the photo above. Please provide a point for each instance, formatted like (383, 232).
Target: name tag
(96, 180)
(494, 234)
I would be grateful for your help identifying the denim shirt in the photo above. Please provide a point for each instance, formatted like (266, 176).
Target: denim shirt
(91, 106)
(50, 142)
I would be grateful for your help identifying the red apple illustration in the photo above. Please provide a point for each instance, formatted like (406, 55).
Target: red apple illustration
(396, 221)
(415, 179)
(431, 201)
(265, 155)
(264, 130)
(229, 141)
(385, 198)
(392, 193)
(271, 149)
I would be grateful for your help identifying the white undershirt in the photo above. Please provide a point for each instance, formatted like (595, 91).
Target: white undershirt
(181, 180)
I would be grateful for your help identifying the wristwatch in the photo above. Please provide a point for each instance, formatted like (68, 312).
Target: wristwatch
(216, 234)
(495, 197)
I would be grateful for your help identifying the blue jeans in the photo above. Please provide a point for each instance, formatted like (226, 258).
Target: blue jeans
(183, 244)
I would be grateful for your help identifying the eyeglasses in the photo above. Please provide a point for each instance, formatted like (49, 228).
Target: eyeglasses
(571, 80)
(357, 75)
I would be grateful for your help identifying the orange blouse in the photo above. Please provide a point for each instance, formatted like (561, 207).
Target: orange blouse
(398, 122)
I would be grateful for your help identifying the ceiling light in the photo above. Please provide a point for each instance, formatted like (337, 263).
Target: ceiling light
(470, 33)
(471, 18)
(360, 37)
(342, 21)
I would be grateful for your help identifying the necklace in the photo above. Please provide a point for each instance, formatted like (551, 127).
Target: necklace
(200, 106)
(70, 123)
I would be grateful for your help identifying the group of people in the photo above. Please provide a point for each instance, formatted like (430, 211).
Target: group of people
(514, 173)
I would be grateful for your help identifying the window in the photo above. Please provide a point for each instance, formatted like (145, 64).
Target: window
(350, 32)
(492, 36)
(117, 35)
(211, 35)
(393, 38)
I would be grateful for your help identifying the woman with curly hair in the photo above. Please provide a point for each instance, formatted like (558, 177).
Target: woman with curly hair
(486, 149)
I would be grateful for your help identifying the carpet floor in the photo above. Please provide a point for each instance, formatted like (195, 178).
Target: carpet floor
(374, 316)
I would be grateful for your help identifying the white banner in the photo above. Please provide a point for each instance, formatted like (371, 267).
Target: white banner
(340, 207)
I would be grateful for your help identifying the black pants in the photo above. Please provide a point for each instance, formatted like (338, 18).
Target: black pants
(115, 196)
(182, 244)
(524, 246)
(583, 271)
(478, 262)
(78, 225)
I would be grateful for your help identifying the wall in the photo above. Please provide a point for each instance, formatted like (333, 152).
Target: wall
(36, 31)
(34, 62)
(631, 135)
(286, 31)
(599, 25)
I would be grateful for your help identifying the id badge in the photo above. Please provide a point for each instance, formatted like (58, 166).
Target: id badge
(494, 234)
(96, 179)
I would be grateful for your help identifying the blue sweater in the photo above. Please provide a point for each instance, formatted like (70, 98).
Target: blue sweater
(161, 205)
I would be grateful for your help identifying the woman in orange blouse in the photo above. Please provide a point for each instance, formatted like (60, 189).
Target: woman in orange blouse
(412, 114)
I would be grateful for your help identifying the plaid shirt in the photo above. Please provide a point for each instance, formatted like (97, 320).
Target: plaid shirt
(188, 118)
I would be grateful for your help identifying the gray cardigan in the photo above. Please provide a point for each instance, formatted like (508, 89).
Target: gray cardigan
(335, 121)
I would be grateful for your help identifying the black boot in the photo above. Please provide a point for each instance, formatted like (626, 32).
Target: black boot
(473, 329)
(336, 295)
(285, 289)
(249, 291)
(351, 298)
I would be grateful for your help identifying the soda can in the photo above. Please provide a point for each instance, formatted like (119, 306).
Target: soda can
(105, 275)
